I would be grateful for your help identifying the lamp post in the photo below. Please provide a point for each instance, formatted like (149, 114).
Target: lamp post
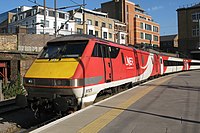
(44, 25)
(199, 33)
(55, 8)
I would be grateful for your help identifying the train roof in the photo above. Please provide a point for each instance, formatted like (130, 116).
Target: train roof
(72, 37)
(79, 37)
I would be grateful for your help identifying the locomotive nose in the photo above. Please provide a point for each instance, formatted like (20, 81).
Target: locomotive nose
(55, 68)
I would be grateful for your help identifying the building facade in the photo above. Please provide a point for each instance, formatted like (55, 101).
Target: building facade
(141, 28)
(189, 31)
(82, 21)
(5, 18)
(98, 24)
(169, 43)
(120, 32)
(33, 21)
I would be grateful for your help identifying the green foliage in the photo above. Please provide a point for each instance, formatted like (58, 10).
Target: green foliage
(13, 88)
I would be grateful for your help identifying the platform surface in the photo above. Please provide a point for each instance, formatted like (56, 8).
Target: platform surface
(169, 104)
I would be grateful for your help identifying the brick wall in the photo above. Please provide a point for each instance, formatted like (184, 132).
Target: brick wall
(8, 42)
(32, 42)
(21, 42)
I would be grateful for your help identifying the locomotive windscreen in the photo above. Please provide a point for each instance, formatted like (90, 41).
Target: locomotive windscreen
(71, 49)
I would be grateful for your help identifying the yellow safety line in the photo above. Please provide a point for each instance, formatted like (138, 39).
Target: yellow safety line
(106, 118)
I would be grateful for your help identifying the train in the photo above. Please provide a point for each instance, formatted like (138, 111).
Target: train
(73, 70)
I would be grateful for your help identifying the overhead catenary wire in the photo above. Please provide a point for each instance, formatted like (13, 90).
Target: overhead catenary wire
(35, 2)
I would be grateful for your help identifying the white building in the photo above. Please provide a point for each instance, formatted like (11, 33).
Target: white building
(96, 23)
(33, 19)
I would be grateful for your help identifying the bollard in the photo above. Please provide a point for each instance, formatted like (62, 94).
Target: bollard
(1, 94)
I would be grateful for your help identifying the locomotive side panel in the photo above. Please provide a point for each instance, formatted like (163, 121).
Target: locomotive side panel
(145, 64)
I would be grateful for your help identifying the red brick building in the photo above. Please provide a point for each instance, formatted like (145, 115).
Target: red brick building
(141, 28)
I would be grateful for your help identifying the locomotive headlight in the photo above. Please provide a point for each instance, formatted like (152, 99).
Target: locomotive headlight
(29, 81)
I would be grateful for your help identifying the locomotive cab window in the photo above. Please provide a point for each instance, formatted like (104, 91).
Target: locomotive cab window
(71, 49)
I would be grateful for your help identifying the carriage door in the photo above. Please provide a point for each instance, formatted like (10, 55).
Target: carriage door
(185, 63)
(161, 66)
(107, 63)
(157, 63)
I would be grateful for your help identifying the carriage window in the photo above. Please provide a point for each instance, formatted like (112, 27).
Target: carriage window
(172, 63)
(194, 63)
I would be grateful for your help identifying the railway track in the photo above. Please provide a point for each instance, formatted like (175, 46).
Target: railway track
(8, 106)
(24, 119)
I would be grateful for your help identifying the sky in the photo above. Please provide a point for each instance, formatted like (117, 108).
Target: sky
(162, 11)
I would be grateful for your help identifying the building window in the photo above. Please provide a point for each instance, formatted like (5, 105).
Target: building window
(196, 16)
(33, 12)
(110, 26)
(62, 26)
(90, 32)
(79, 31)
(51, 13)
(148, 36)
(141, 25)
(122, 36)
(46, 25)
(62, 15)
(155, 38)
(41, 11)
(21, 16)
(155, 29)
(142, 35)
(127, 17)
(103, 24)
(105, 35)
(147, 27)
(126, 8)
(78, 20)
(33, 23)
(89, 22)
(26, 24)
(110, 35)
(195, 31)
(142, 17)
(96, 33)
(67, 26)
(96, 23)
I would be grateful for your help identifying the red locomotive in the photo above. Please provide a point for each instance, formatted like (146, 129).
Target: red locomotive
(73, 70)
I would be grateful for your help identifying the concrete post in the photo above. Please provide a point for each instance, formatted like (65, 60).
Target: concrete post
(1, 94)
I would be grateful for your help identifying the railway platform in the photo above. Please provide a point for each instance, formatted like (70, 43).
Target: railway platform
(169, 104)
